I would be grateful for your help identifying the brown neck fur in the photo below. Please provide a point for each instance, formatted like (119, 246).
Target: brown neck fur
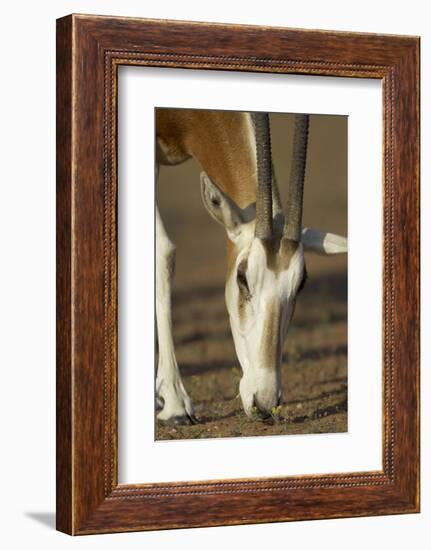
(221, 141)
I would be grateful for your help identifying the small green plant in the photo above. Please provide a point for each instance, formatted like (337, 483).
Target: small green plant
(276, 414)
(255, 414)
(275, 411)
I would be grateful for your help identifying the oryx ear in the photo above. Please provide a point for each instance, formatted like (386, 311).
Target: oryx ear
(323, 243)
(221, 207)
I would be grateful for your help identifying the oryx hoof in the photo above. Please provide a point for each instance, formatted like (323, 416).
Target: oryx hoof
(180, 420)
(160, 403)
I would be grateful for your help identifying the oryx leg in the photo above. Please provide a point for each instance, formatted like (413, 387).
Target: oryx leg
(170, 391)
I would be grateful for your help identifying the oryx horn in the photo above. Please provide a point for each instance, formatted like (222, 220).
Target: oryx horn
(264, 228)
(295, 196)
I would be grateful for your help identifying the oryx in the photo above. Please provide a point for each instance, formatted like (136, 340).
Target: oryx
(265, 252)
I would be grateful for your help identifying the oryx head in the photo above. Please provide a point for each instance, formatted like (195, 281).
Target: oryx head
(268, 268)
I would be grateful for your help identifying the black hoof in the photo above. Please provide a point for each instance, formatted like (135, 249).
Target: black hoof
(182, 420)
(193, 419)
(160, 403)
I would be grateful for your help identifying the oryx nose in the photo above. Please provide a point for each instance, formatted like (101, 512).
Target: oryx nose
(264, 404)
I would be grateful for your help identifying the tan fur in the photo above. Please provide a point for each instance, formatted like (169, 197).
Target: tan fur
(199, 133)
(184, 133)
(279, 253)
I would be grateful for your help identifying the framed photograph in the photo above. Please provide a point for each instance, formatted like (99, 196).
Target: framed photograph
(237, 274)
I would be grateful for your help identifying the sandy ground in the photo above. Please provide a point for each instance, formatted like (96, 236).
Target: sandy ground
(314, 369)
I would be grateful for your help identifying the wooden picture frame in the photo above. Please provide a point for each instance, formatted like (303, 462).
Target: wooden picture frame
(89, 51)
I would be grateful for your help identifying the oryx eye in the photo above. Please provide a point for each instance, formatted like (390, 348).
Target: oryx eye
(241, 279)
(303, 280)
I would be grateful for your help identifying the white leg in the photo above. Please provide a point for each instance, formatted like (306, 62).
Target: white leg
(170, 391)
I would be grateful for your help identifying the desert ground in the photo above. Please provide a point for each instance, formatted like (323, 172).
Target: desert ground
(314, 367)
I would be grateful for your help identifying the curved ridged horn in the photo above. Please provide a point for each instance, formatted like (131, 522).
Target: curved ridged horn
(263, 228)
(293, 224)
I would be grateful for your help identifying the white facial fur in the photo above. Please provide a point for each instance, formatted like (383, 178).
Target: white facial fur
(260, 322)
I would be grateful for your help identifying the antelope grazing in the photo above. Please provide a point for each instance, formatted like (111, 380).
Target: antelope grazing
(265, 246)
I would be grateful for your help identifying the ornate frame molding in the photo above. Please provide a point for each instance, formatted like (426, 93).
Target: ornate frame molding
(90, 49)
